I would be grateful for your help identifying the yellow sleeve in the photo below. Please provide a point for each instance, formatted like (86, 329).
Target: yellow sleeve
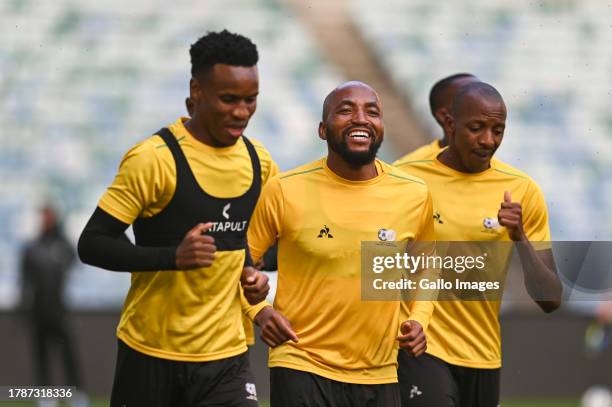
(265, 225)
(251, 310)
(426, 231)
(139, 184)
(535, 215)
(249, 330)
(421, 311)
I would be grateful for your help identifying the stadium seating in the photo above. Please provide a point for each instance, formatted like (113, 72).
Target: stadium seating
(551, 62)
(83, 81)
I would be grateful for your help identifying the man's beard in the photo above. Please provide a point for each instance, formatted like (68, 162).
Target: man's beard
(355, 158)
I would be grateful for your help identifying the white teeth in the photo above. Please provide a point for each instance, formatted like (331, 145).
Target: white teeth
(359, 133)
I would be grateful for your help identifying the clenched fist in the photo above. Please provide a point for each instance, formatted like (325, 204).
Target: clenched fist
(275, 328)
(254, 284)
(197, 249)
(412, 339)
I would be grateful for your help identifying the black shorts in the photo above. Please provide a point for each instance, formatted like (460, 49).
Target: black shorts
(427, 381)
(295, 388)
(142, 380)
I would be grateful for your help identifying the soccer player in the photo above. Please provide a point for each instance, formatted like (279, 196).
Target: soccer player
(247, 324)
(476, 198)
(440, 100)
(343, 351)
(188, 192)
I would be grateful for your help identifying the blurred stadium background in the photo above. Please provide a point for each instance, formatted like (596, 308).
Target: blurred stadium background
(82, 81)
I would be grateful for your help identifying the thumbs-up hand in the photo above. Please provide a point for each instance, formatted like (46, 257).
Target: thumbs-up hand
(510, 215)
(197, 249)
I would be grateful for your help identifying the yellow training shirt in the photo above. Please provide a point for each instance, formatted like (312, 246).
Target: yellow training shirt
(320, 220)
(249, 330)
(467, 333)
(426, 152)
(193, 315)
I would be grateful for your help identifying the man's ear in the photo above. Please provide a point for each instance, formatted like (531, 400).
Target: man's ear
(441, 114)
(449, 126)
(322, 131)
(195, 89)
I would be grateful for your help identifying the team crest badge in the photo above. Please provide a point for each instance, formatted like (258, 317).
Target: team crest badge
(490, 223)
(386, 235)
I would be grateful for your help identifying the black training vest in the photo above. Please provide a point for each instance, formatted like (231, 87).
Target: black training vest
(191, 205)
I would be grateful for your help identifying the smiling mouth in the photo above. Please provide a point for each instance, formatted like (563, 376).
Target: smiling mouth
(359, 134)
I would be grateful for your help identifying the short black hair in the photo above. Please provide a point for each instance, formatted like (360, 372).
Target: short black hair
(222, 47)
(438, 90)
(482, 89)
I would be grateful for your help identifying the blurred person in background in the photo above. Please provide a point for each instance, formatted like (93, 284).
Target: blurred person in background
(440, 100)
(476, 197)
(45, 263)
(188, 192)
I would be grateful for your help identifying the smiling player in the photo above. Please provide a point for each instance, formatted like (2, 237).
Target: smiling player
(343, 351)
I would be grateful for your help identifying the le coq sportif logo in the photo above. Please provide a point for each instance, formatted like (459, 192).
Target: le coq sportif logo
(324, 232)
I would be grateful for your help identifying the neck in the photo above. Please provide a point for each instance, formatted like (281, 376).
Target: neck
(352, 173)
(199, 133)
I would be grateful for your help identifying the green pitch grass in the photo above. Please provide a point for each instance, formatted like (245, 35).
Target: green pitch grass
(539, 403)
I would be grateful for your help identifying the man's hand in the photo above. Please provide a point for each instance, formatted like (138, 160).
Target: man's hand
(254, 284)
(197, 249)
(412, 339)
(510, 215)
(275, 328)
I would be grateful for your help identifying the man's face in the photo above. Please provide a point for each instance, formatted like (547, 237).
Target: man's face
(353, 125)
(476, 130)
(48, 219)
(224, 99)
